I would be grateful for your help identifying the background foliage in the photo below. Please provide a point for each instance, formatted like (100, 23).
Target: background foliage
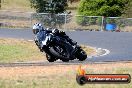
(103, 7)
(49, 6)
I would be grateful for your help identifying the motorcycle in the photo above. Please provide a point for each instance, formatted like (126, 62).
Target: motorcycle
(57, 47)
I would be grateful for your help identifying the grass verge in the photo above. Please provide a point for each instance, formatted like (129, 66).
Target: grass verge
(14, 50)
(59, 76)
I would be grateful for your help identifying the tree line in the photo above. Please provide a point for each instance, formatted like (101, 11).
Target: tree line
(86, 7)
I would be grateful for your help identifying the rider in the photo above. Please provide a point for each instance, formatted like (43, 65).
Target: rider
(41, 32)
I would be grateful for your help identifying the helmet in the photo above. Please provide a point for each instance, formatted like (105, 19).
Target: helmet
(55, 31)
(37, 27)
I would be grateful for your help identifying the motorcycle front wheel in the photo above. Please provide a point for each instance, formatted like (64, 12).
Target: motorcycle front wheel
(81, 55)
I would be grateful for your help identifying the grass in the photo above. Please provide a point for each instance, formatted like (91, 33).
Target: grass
(16, 5)
(89, 50)
(66, 79)
(15, 50)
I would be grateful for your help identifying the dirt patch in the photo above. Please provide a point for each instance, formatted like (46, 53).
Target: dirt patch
(14, 72)
(31, 71)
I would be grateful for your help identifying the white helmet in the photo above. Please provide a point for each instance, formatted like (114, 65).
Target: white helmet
(37, 27)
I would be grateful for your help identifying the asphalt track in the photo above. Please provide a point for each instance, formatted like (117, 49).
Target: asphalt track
(118, 43)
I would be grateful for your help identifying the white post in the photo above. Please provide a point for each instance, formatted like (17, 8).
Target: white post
(102, 23)
(65, 23)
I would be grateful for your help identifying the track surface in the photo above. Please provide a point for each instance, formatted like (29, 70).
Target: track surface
(119, 43)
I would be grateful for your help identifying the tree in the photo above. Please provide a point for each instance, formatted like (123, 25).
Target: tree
(102, 7)
(0, 4)
(128, 12)
(49, 6)
(53, 7)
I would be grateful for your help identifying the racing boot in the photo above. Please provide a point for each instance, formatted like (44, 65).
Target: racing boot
(41, 50)
(39, 46)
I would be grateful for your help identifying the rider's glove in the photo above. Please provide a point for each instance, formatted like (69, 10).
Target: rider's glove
(55, 31)
(62, 33)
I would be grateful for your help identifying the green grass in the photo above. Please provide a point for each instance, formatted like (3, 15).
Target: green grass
(66, 80)
(12, 50)
(14, 53)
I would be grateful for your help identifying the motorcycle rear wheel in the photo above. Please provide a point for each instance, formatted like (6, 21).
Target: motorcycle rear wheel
(65, 60)
(50, 58)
